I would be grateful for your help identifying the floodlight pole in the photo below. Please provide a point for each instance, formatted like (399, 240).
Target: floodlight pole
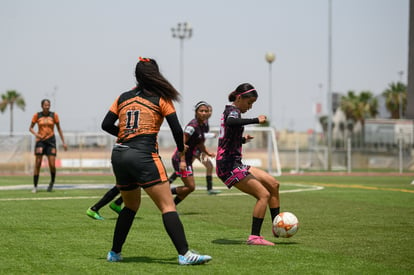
(329, 99)
(182, 31)
(400, 98)
(270, 57)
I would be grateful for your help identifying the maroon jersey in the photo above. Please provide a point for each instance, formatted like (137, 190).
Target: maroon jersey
(195, 136)
(230, 138)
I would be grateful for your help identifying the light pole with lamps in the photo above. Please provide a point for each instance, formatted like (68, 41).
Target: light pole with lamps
(270, 57)
(182, 31)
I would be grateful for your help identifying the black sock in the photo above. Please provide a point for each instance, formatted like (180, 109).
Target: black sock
(175, 230)
(107, 198)
(35, 180)
(52, 176)
(274, 212)
(119, 201)
(256, 226)
(174, 190)
(123, 224)
(177, 200)
(209, 180)
(172, 178)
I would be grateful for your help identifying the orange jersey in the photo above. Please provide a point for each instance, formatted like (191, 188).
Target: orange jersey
(140, 114)
(45, 124)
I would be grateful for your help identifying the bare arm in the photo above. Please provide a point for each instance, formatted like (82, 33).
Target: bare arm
(203, 149)
(65, 147)
(31, 130)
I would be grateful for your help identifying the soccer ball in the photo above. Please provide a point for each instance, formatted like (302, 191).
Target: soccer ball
(285, 225)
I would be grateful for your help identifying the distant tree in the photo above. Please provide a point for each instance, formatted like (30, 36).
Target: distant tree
(358, 107)
(396, 98)
(323, 120)
(11, 98)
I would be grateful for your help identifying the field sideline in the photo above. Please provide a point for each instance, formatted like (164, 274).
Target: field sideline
(348, 225)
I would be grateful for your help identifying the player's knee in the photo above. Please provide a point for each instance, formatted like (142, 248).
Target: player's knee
(191, 188)
(265, 196)
(275, 184)
(208, 164)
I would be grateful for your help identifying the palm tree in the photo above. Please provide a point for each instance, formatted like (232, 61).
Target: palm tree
(358, 107)
(11, 98)
(396, 98)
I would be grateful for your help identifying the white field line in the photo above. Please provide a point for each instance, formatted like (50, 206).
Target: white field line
(108, 186)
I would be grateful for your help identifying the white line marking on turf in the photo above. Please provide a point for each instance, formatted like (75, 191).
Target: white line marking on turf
(108, 186)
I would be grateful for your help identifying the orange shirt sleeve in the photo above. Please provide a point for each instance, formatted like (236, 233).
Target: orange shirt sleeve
(56, 118)
(167, 107)
(34, 118)
(114, 107)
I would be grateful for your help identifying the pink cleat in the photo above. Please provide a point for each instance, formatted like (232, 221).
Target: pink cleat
(258, 240)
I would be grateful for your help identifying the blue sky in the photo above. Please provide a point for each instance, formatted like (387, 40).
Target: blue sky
(81, 53)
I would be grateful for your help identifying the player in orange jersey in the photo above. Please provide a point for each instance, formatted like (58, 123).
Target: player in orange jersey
(135, 118)
(46, 141)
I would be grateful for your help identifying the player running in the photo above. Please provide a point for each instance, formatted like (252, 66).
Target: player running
(203, 158)
(194, 139)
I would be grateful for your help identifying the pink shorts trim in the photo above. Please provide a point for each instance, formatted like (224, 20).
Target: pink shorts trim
(237, 175)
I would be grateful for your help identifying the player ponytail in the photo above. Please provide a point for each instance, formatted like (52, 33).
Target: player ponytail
(151, 81)
(243, 90)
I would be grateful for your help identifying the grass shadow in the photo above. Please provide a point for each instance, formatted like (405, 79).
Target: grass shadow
(227, 241)
(188, 213)
(286, 243)
(150, 260)
(239, 242)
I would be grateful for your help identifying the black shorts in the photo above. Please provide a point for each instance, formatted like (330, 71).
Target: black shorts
(135, 168)
(46, 147)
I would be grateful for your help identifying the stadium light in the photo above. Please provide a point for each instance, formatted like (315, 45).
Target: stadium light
(182, 31)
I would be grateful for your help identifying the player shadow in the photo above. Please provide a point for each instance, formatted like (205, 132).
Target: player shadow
(285, 243)
(116, 218)
(227, 241)
(150, 260)
(188, 213)
(233, 242)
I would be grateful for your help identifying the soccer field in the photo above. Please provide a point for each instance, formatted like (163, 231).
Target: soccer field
(348, 225)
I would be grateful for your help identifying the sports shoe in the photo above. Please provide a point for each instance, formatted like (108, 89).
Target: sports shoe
(258, 240)
(34, 190)
(50, 187)
(193, 258)
(213, 192)
(117, 208)
(94, 214)
(114, 257)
